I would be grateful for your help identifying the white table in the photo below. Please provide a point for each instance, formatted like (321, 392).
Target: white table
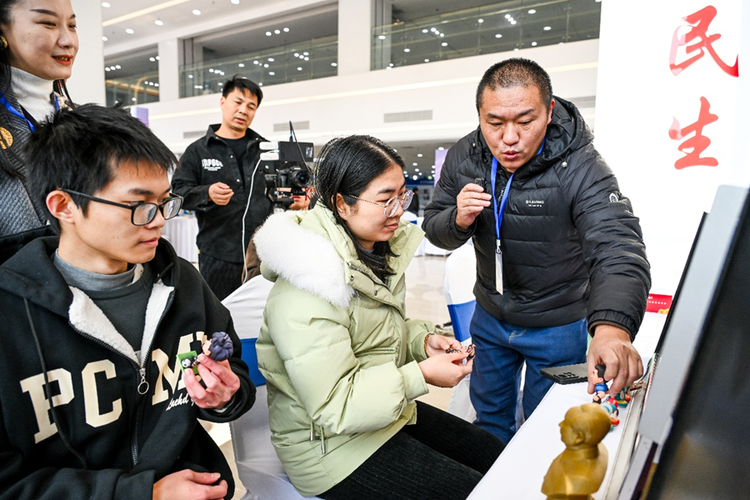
(181, 233)
(519, 471)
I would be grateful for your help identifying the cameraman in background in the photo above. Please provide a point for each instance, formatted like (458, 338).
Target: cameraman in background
(218, 178)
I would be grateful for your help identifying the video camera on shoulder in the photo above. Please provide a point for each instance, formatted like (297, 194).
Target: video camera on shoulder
(286, 171)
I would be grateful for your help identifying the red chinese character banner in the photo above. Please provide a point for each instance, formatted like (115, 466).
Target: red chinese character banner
(669, 119)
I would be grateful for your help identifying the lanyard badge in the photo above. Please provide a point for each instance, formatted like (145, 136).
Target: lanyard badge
(498, 222)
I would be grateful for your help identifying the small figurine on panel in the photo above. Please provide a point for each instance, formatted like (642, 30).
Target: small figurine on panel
(579, 470)
(610, 405)
(600, 389)
(623, 397)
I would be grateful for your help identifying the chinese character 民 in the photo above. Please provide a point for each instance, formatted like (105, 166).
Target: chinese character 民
(697, 39)
(696, 144)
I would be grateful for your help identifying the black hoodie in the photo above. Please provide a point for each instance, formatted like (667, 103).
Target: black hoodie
(116, 425)
(572, 248)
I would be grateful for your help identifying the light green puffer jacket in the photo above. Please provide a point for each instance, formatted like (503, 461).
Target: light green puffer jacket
(336, 348)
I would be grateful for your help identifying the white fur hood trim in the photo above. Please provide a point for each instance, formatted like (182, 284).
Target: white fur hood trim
(304, 258)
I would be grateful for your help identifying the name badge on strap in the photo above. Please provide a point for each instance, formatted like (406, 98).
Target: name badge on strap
(498, 222)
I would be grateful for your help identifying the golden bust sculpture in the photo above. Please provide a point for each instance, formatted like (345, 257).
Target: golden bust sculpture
(579, 470)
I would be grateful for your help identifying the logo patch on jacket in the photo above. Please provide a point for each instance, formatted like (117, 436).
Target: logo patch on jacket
(211, 164)
(535, 203)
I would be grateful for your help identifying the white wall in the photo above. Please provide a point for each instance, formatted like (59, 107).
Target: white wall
(356, 103)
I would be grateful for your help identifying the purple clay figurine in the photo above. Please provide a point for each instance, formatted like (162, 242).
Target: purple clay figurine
(220, 346)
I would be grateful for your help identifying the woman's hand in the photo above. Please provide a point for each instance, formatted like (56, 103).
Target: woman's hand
(438, 344)
(445, 370)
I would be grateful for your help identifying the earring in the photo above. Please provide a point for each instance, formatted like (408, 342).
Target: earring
(4, 41)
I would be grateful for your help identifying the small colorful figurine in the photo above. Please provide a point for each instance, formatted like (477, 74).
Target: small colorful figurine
(610, 406)
(600, 389)
(470, 349)
(219, 347)
(623, 397)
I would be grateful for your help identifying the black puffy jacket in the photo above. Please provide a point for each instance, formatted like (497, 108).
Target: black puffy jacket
(572, 247)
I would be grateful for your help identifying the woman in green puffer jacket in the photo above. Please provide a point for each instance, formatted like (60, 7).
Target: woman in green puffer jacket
(343, 363)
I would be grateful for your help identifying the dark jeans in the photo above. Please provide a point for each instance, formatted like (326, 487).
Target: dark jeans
(222, 277)
(441, 456)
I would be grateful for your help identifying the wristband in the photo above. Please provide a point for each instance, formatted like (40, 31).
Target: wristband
(426, 338)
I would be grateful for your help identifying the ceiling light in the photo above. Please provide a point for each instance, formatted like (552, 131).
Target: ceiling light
(157, 58)
(307, 58)
(159, 22)
(285, 30)
(441, 148)
(143, 12)
(236, 2)
(507, 16)
(107, 69)
(152, 59)
(271, 59)
(425, 30)
(272, 73)
(190, 76)
(415, 177)
(278, 32)
(334, 64)
(513, 22)
(533, 44)
(196, 12)
(129, 31)
(117, 66)
(381, 37)
(133, 99)
(104, 38)
(498, 35)
(268, 33)
(106, 5)
(444, 44)
(407, 50)
(426, 60)
(419, 155)
(480, 21)
(305, 53)
(210, 70)
(241, 65)
(265, 65)
(547, 28)
(156, 85)
(299, 68)
(532, 11)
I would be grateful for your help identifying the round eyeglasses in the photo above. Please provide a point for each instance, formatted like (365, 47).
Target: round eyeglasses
(141, 213)
(391, 206)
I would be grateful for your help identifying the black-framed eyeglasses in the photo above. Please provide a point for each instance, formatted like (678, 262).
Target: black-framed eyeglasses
(141, 213)
(391, 206)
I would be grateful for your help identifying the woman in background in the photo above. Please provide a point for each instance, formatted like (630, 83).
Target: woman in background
(38, 44)
(343, 363)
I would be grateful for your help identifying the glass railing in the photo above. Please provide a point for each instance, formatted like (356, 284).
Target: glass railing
(132, 90)
(308, 60)
(515, 24)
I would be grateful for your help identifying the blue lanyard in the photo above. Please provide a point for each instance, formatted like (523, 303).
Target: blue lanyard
(14, 111)
(503, 201)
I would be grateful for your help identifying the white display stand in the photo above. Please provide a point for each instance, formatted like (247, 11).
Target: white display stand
(181, 233)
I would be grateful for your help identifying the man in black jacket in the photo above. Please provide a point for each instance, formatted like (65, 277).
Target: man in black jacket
(93, 401)
(559, 251)
(220, 175)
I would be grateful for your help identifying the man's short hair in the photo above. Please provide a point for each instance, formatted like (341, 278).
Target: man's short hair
(80, 149)
(244, 85)
(516, 72)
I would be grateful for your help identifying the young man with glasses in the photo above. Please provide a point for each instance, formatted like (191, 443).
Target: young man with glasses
(94, 322)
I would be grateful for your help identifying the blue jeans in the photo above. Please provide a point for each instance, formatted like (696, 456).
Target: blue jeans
(501, 349)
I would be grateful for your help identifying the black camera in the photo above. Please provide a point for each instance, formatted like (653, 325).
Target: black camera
(286, 171)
